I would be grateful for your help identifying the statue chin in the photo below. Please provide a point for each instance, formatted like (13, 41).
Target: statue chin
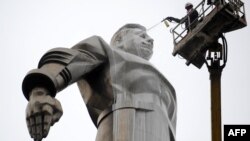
(147, 57)
(146, 53)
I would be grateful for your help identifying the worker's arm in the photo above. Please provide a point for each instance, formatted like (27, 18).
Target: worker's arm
(174, 19)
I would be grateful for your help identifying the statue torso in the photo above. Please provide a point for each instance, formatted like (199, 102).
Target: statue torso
(127, 82)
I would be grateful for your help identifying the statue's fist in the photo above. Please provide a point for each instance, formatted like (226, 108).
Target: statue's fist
(42, 112)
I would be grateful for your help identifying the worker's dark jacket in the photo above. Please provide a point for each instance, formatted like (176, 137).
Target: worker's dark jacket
(190, 20)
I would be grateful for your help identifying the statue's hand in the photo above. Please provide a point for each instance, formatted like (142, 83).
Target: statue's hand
(42, 112)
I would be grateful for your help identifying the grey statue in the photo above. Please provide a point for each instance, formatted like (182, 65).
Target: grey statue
(127, 98)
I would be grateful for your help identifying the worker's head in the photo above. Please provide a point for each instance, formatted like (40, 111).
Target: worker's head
(133, 39)
(188, 6)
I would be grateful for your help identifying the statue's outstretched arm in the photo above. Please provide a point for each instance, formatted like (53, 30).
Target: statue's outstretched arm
(57, 69)
(61, 67)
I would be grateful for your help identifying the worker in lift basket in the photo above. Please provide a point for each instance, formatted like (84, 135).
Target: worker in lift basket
(190, 20)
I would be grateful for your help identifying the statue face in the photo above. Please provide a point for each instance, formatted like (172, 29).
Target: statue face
(139, 43)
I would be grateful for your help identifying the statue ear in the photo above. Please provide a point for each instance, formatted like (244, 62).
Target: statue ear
(118, 43)
(118, 40)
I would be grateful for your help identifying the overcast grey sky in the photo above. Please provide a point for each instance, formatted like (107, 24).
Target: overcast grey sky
(29, 28)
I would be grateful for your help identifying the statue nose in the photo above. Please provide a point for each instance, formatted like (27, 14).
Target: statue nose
(150, 40)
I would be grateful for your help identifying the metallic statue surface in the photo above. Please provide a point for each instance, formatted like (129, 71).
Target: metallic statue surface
(127, 98)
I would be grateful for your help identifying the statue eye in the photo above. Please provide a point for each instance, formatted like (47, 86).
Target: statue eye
(143, 35)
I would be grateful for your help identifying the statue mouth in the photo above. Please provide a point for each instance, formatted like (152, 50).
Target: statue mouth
(146, 47)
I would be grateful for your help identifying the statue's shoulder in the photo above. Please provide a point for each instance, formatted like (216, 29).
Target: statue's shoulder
(93, 44)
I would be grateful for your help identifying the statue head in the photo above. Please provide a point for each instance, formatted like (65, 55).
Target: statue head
(133, 39)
